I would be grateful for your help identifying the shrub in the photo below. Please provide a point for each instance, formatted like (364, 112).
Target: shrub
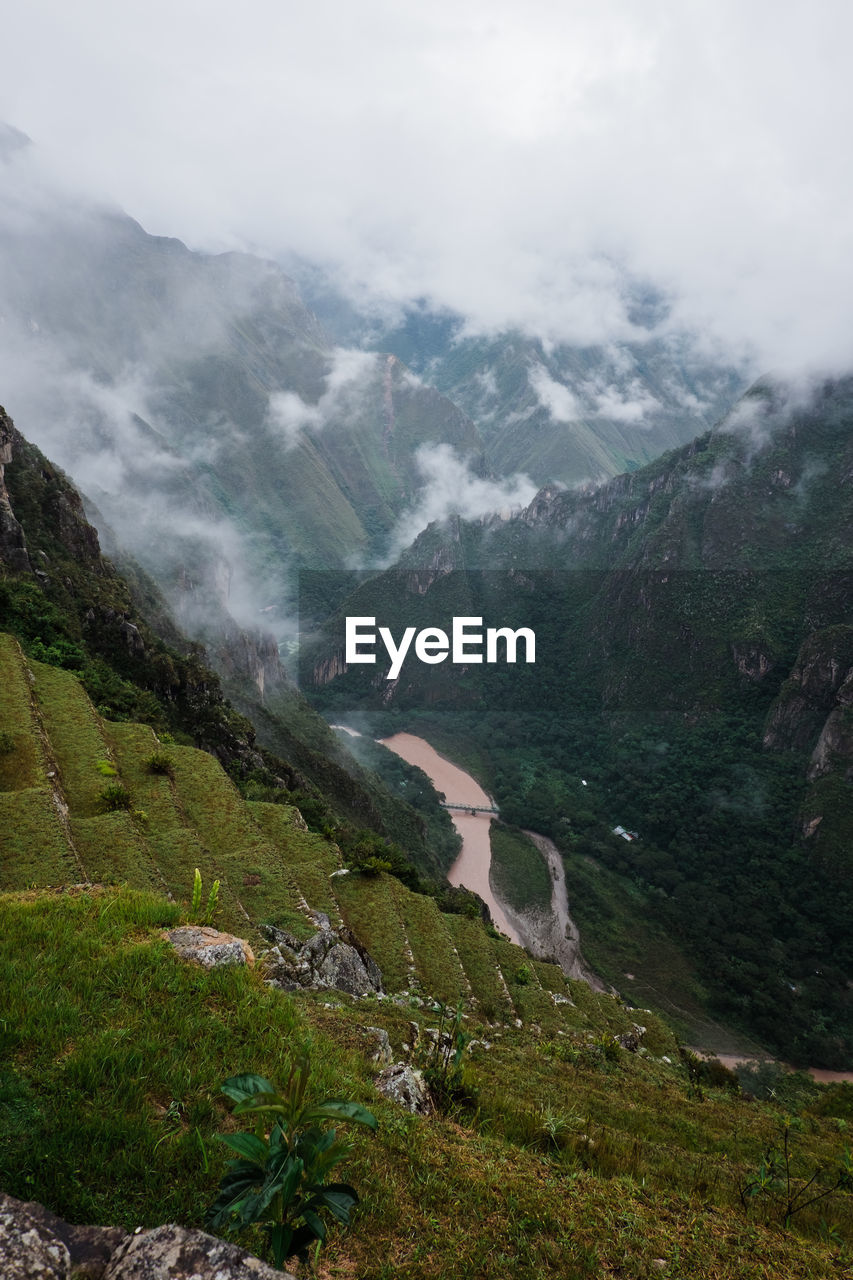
(115, 797)
(7, 743)
(786, 1192)
(161, 762)
(279, 1176)
(441, 1061)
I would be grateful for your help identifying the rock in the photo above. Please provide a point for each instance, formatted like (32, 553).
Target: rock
(406, 1086)
(13, 544)
(174, 1253)
(89, 1248)
(332, 958)
(382, 1050)
(209, 947)
(631, 1040)
(29, 1249)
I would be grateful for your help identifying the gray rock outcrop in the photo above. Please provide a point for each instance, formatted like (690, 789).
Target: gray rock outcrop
(13, 545)
(406, 1086)
(29, 1250)
(209, 947)
(631, 1040)
(382, 1051)
(174, 1253)
(332, 958)
(37, 1245)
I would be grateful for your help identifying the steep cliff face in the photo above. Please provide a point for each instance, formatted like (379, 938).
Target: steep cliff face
(13, 548)
(71, 608)
(807, 714)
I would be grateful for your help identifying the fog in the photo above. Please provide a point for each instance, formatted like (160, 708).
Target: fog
(508, 163)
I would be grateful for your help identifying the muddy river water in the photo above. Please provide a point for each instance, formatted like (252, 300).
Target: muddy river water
(471, 868)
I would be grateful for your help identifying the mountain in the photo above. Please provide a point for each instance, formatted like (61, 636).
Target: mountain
(692, 667)
(71, 609)
(558, 412)
(200, 406)
(554, 1105)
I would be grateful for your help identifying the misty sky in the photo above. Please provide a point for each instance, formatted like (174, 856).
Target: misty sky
(505, 160)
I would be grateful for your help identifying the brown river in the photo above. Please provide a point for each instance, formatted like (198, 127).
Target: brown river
(471, 868)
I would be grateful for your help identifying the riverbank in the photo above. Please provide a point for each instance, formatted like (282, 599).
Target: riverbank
(546, 935)
(471, 868)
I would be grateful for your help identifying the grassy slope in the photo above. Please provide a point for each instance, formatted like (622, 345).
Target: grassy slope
(518, 873)
(577, 1162)
(270, 867)
(113, 1051)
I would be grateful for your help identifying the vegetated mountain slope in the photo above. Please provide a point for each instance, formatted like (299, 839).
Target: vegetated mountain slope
(198, 402)
(571, 1155)
(86, 800)
(113, 1050)
(70, 608)
(693, 623)
(558, 412)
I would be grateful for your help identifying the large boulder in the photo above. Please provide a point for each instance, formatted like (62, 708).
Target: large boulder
(174, 1253)
(209, 947)
(29, 1250)
(37, 1245)
(32, 1236)
(331, 958)
(406, 1086)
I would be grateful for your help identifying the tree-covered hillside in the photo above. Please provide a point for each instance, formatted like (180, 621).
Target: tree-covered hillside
(692, 622)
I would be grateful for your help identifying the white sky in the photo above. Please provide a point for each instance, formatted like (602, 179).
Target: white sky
(494, 157)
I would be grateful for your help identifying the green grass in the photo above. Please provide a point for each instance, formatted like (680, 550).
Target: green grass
(551, 976)
(114, 851)
(531, 1002)
(437, 966)
(112, 1056)
(518, 874)
(213, 805)
(368, 906)
(76, 737)
(22, 767)
(480, 965)
(282, 823)
(34, 849)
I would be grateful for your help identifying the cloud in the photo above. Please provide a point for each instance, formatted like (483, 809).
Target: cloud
(350, 375)
(510, 165)
(562, 405)
(450, 488)
(626, 404)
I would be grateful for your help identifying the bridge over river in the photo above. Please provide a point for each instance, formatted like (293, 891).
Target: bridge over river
(469, 808)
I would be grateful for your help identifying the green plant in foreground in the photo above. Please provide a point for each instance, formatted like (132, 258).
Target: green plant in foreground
(442, 1061)
(212, 899)
(279, 1177)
